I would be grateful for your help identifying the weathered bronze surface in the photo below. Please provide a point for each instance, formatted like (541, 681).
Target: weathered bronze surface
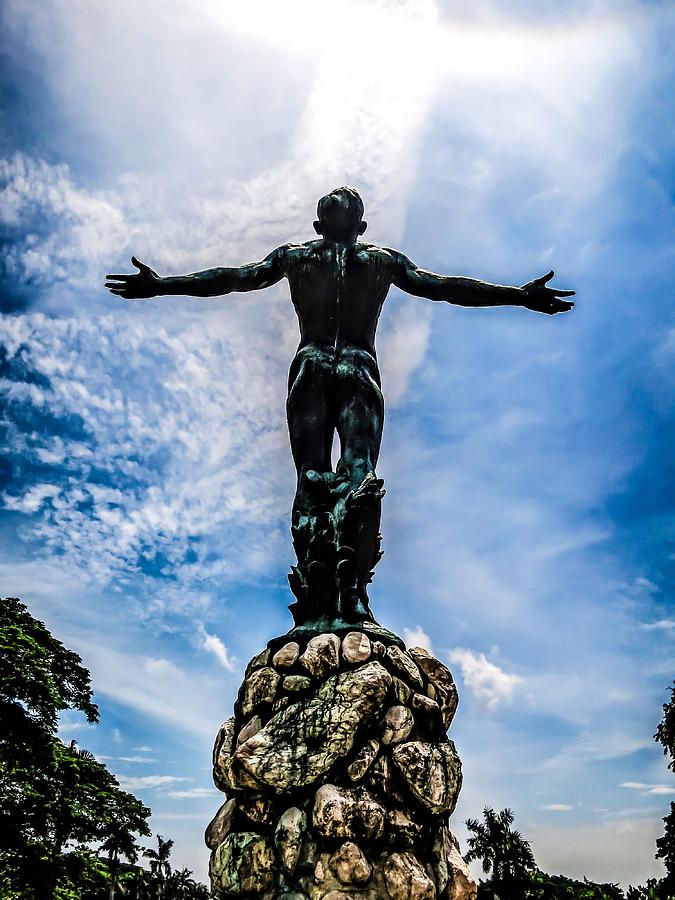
(338, 285)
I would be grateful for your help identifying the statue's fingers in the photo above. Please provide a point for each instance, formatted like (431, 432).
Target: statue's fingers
(119, 277)
(545, 278)
(120, 293)
(564, 293)
(139, 265)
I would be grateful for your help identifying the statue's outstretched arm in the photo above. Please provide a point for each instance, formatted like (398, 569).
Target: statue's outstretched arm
(471, 292)
(210, 283)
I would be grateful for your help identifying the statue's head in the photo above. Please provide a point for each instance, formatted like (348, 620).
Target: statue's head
(340, 215)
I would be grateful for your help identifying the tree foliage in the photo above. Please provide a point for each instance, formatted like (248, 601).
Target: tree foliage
(57, 799)
(665, 733)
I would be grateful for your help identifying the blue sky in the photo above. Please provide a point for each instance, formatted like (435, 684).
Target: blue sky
(148, 481)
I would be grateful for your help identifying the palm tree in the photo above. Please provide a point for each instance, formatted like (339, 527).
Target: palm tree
(503, 851)
(160, 868)
(119, 842)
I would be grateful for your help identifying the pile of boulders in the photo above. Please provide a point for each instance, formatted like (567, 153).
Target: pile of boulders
(340, 776)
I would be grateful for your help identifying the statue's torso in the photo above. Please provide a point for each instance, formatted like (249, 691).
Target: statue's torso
(338, 291)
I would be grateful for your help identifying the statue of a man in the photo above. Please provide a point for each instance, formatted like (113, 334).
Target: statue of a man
(338, 285)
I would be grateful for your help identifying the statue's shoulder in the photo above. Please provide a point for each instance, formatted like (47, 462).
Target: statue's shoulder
(294, 253)
(374, 252)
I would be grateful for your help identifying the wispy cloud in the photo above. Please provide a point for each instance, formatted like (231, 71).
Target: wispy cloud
(211, 643)
(648, 788)
(148, 782)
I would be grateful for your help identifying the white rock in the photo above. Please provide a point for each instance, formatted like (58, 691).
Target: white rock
(432, 772)
(347, 813)
(350, 865)
(398, 723)
(461, 883)
(322, 655)
(356, 647)
(252, 727)
(288, 837)
(406, 879)
(260, 687)
(286, 656)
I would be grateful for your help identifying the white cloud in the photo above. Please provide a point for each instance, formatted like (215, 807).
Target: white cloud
(661, 625)
(33, 499)
(211, 643)
(417, 637)
(489, 684)
(162, 667)
(147, 782)
(558, 807)
(657, 789)
(191, 794)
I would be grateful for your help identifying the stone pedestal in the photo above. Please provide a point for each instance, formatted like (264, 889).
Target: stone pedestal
(339, 775)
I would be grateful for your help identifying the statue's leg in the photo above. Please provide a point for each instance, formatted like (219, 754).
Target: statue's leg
(360, 415)
(310, 421)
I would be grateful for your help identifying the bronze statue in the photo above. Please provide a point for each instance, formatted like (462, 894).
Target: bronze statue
(338, 285)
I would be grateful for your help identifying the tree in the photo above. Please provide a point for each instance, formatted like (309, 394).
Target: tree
(665, 733)
(57, 799)
(665, 845)
(503, 851)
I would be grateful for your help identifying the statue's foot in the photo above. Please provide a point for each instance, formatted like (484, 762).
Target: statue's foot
(370, 490)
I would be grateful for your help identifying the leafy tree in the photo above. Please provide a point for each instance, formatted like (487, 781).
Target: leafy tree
(503, 851)
(665, 848)
(56, 797)
(665, 733)
(665, 845)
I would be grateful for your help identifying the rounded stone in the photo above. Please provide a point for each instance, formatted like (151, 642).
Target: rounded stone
(425, 705)
(440, 677)
(356, 647)
(398, 723)
(350, 865)
(347, 813)
(262, 659)
(288, 837)
(401, 691)
(256, 807)
(296, 683)
(402, 662)
(406, 879)
(402, 827)
(363, 760)
(243, 864)
(286, 656)
(219, 827)
(321, 656)
(252, 727)
(432, 772)
(300, 744)
(260, 687)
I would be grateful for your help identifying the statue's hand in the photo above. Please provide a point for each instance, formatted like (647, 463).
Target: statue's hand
(140, 286)
(545, 299)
